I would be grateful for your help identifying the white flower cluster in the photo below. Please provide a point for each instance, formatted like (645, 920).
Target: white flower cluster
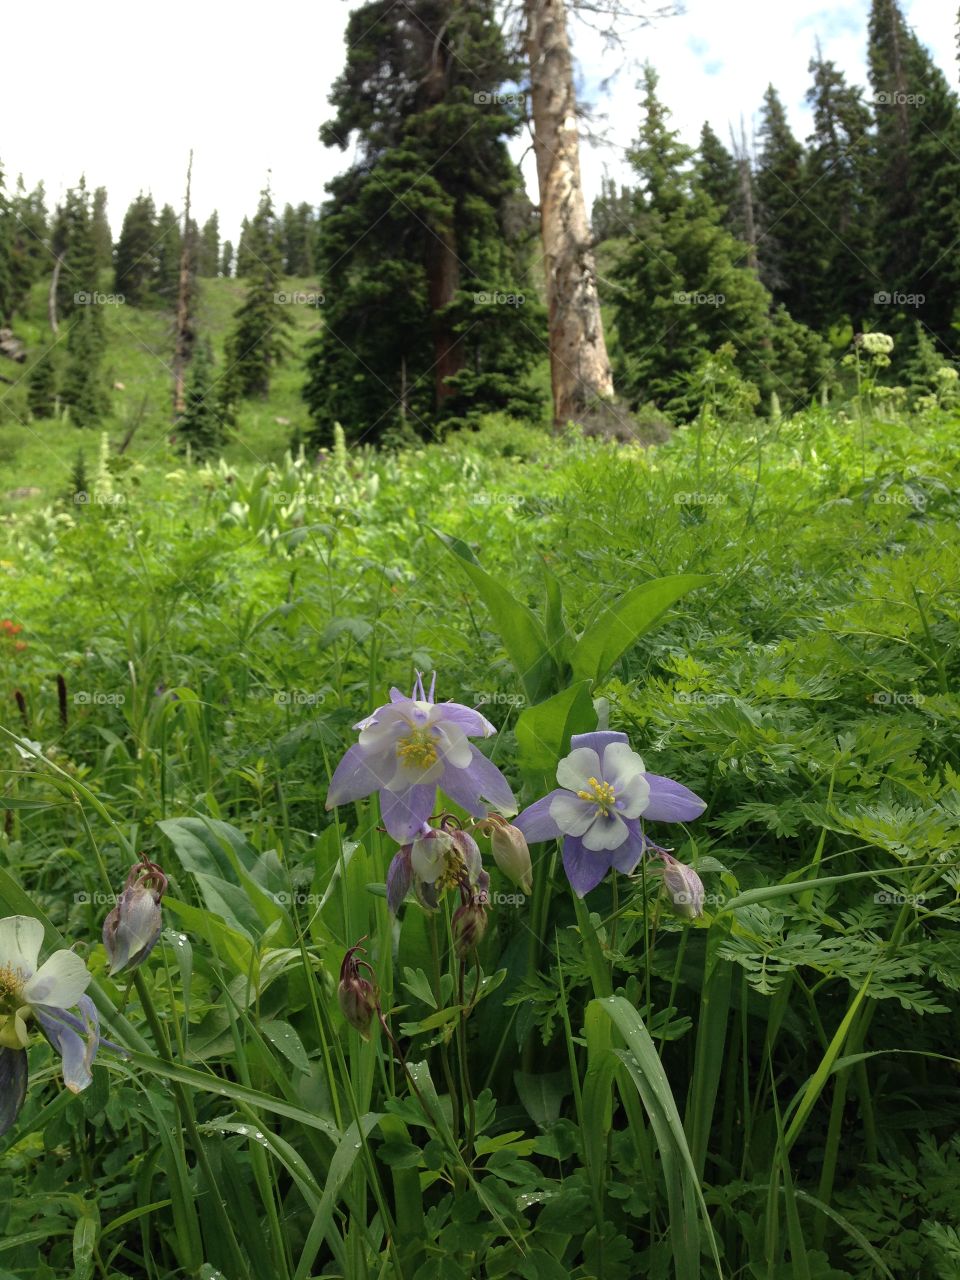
(876, 344)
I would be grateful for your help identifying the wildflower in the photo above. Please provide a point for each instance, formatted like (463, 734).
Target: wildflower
(469, 923)
(684, 887)
(45, 993)
(410, 747)
(604, 792)
(132, 929)
(435, 861)
(359, 997)
(876, 344)
(510, 850)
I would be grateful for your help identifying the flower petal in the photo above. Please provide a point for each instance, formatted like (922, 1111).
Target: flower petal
(77, 1053)
(399, 879)
(584, 869)
(620, 765)
(405, 812)
(625, 858)
(21, 938)
(671, 801)
(354, 777)
(473, 724)
(59, 982)
(571, 814)
(606, 833)
(575, 770)
(13, 1086)
(453, 744)
(480, 781)
(536, 823)
(597, 740)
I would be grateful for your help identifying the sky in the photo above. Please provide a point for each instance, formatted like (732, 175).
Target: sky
(246, 87)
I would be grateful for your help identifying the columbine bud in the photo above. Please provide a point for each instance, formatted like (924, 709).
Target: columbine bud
(132, 929)
(684, 887)
(359, 998)
(510, 851)
(399, 878)
(469, 924)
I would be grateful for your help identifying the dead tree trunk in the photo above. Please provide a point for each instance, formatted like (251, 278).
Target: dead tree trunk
(52, 297)
(579, 365)
(744, 173)
(184, 334)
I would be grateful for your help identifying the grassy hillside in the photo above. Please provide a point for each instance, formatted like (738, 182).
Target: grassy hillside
(137, 369)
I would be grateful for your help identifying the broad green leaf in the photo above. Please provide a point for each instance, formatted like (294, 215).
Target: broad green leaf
(542, 1095)
(522, 635)
(621, 624)
(544, 730)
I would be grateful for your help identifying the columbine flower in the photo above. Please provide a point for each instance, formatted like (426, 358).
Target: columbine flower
(604, 792)
(358, 996)
(46, 993)
(684, 887)
(410, 747)
(432, 863)
(132, 929)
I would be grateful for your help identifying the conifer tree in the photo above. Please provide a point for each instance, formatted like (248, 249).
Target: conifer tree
(259, 340)
(200, 426)
(719, 179)
(789, 241)
(42, 387)
(611, 212)
(28, 253)
(208, 259)
(8, 299)
(136, 261)
(226, 259)
(839, 166)
(83, 391)
(298, 231)
(102, 239)
(405, 280)
(169, 245)
(72, 239)
(245, 257)
(917, 176)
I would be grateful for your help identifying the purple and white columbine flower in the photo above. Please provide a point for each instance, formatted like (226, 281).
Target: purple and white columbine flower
(603, 794)
(45, 993)
(410, 747)
(434, 862)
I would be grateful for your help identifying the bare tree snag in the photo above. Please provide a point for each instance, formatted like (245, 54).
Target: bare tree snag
(579, 364)
(184, 334)
(52, 297)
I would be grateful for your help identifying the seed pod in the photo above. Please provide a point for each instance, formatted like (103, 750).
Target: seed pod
(133, 927)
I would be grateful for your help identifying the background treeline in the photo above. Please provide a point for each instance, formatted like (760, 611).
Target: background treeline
(425, 267)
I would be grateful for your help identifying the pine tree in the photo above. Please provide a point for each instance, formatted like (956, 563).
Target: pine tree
(719, 179)
(409, 334)
(298, 227)
(83, 391)
(226, 259)
(72, 239)
(136, 262)
(790, 243)
(208, 260)
(102, 239)
(684, 289)
(917, 176)
(611, 212)
(245, 258)
(78, 490)
(29, 238)
(259, 340)
(200, 426)
(42, 387)
(169, 244)
(839, 166)
(8, 299)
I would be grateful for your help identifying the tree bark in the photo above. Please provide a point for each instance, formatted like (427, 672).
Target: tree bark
(579, 364)
(443, 281)
(184, 334)
(52, 297)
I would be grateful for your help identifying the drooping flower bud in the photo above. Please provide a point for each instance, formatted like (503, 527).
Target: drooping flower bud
(510, 851)
(399, 878)
(132, 929)
(684, 887)
(469, 924)
(359, 998)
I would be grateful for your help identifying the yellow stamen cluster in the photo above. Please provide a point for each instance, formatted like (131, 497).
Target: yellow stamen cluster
(601, 794)
(11, 985)
(418, 750)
